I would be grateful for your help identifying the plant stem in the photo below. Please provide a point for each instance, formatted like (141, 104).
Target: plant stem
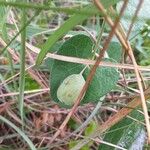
(22, 66)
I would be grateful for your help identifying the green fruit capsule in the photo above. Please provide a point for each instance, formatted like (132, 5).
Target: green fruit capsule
(70, 88)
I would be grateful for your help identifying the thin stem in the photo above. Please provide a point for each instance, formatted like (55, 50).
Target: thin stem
(22, 66)
(83, 69)
(99, 37)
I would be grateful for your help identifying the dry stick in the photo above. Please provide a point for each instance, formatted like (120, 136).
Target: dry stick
(127, 46)
(25, 92)
(85, 61)
(91, 74)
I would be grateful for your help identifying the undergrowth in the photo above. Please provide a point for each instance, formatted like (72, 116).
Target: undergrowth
(51, 96)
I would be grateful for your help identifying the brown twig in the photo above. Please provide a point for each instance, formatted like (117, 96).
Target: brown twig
(25, 92)
(85, 61)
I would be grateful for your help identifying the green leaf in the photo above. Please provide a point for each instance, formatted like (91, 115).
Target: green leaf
(30, 83)
(77, 46)
(91, 128)
(70, 88)
(126, 133)
(69, 24)
(81, 46)
(115, 51)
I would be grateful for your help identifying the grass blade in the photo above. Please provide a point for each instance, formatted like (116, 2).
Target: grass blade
(69, 24)
(22, 66)
(24, 136)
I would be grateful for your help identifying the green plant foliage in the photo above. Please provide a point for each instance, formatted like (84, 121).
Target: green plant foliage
(126, 133)
(115, 51)
(78, 46)
(3, 147)
(89, 130)
(81, 46)
(30, 84)
(69, 24)
(72, 124)
(103, 82)
(22, 66)
(142, 44)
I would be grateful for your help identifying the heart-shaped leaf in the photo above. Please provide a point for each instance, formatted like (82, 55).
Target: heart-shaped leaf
(81, 46)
